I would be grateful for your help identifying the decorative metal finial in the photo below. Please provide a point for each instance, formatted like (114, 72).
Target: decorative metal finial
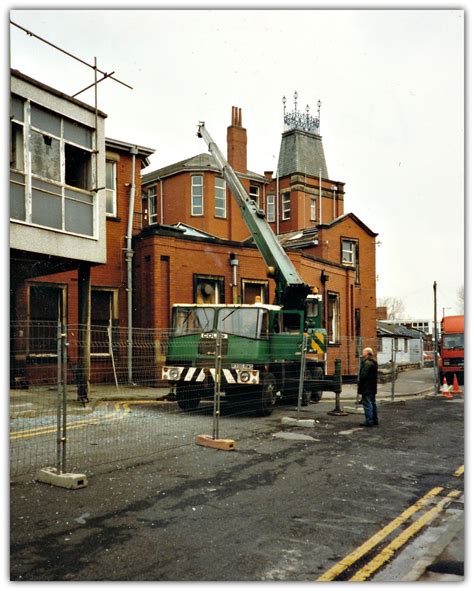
(303, 121)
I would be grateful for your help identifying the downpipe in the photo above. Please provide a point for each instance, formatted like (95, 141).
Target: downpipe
(129, 259)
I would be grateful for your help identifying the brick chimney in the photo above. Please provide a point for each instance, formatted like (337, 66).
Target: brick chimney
(237, 142)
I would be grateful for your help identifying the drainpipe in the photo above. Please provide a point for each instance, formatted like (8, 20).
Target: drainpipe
(128, 258)
(161, 202)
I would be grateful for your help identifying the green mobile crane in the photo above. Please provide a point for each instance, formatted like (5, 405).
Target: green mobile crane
(261, 345)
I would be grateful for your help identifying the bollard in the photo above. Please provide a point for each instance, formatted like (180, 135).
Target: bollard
(337, 378)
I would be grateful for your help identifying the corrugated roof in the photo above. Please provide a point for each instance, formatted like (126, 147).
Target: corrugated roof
(397, 330)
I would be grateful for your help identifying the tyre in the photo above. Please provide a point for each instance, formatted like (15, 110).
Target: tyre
(187, 397)
(266, 397)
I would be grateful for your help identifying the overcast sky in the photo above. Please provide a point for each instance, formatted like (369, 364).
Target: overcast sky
(391, 85)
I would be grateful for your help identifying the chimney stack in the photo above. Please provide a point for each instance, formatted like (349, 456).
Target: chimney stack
(237, 142)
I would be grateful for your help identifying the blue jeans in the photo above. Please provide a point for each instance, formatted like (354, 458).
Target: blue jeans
(370, 409)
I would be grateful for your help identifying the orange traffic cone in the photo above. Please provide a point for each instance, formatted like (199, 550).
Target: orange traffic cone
(445, 389)
(456, 388)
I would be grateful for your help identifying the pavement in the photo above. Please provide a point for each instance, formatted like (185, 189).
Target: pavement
(439, 551)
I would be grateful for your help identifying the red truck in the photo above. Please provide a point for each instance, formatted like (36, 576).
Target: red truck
(451, 349)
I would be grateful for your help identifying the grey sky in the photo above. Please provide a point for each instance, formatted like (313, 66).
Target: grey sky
(392, 116)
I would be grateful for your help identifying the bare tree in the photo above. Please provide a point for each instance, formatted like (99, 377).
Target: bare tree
(395, 307)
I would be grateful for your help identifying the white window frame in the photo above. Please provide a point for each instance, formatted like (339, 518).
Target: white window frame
(271, 217)
(67, 195)
(197, 210)
(348, 252)
(285, 206)
(111, 192)
(313, 209)
(152, 205)
(334, 333)
(254, 194)
(220, 198)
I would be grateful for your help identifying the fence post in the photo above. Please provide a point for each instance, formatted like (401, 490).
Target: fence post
(217, 386)
(394, 367)
(302, 372)
(58, 398)
(64, 401)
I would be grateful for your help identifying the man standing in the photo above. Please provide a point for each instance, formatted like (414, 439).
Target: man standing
(367, 387)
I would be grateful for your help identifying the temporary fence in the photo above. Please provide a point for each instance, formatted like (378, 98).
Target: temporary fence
(136, 407)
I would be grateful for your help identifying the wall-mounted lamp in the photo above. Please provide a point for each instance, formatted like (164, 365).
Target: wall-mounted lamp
(234, 263)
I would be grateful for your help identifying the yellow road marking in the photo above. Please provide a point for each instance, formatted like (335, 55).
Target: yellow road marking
(46, 430)
(387, 553)
(351, 558)
(459, 472)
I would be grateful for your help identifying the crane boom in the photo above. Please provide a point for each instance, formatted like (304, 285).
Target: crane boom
(291, 290)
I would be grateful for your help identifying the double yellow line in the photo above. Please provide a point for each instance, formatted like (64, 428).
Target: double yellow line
(388, 551)
(25, 434)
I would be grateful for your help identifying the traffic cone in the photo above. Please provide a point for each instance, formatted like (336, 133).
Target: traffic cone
(456, 388)
(445, 389)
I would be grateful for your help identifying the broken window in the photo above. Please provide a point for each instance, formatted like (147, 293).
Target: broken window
(46, 304)
(253, 291)
(254, 194)
(101, 320)
(45, 156)
(333, 324)
(208, 289)
(60, 155)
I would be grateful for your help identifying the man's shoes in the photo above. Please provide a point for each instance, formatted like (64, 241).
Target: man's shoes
(366, 425)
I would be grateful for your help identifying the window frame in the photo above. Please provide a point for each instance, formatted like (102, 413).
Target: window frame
(286, 206)
(66, 201)
(271, 210)
(217, 280)
(313, 209)
(333, 327)
(151, 195)
(254, 194)
(220, 196)
(194, 185)
(51, 325)
(111, 190)
(112, 320)
(264, 289)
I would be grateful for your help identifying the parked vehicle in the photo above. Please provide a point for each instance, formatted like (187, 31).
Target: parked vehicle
(451, 349)
(258, 347)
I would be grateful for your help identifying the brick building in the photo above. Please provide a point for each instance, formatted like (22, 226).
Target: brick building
(68, 227)
(195, 246)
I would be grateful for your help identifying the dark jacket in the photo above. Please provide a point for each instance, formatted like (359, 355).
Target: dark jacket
(367, 383)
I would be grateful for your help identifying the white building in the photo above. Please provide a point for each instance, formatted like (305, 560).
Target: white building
(405, 344)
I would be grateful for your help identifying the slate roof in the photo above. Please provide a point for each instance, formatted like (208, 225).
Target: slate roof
(196, 163)
(299, 238)
(302, 152)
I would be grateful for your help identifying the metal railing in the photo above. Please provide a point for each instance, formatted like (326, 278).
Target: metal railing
(51, 425)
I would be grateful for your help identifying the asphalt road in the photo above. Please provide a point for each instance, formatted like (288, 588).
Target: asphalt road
(274, 509)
